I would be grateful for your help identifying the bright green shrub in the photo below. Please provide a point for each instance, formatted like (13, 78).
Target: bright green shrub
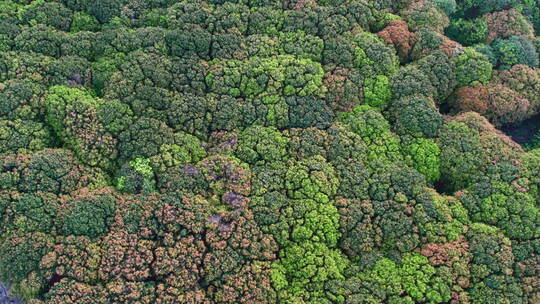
(468, 32)
(472, 68)
(377, 91)
(424, 155)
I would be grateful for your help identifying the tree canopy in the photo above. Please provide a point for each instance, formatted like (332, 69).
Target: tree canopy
(259, 151)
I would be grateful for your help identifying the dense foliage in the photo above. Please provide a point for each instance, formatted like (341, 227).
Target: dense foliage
(256, 151)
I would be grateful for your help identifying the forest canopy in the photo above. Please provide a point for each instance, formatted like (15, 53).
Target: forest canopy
(262, 151)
